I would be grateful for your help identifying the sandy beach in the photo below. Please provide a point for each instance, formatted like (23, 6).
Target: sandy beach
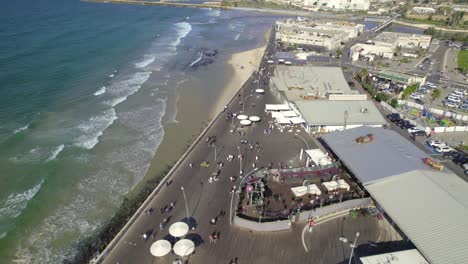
(244, 64)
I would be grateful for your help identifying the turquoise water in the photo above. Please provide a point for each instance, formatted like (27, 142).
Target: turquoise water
(85, 91)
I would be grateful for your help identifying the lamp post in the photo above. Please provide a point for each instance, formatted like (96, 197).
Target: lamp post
(351, 244)
(185, 199)
(305, 142)
(240, 160)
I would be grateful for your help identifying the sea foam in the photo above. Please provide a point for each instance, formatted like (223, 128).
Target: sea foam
(120, 91)
(55, 153)
(182, 28)
(16, 131)
(94, 128)
(17, 202)
(100, 91)
(147, 60)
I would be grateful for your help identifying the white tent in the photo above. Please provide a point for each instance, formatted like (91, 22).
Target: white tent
(277, 107)
(277, 115)
(242, 117)
(289, 113)
(296, 120)
(283, 121)
(160, 248)
(254, 118)
(245, 122)
(318, 157)
(178, 229)
(302, 190)
(184, 247)
(259, 91)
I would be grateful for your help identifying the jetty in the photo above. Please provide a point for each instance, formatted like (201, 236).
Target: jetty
(162, 3)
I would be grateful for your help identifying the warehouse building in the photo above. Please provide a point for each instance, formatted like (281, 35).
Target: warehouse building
(428, 206)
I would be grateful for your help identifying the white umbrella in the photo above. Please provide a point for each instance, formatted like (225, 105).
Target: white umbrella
(254, 118)
(242, 117)
(160, 248)
(184, 247)
(246, 122)
(259, 91)
(178, 229)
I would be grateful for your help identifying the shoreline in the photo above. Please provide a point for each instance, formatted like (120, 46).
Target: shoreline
(148, 188)
(243, 64)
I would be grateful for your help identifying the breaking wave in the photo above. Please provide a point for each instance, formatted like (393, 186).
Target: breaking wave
(16, 131)
(55, 153)
(120, 91)
(17, 202)
(100, 91)
(94, 128)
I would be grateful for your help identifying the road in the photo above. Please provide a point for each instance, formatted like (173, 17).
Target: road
(205, 200)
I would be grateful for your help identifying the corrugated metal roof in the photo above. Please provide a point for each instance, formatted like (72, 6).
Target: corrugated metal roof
(387, 155)
(411, 256)
(431, 208)
(331, 113)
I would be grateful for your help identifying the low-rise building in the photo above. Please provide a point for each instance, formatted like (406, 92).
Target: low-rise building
(303, 83)
(427, 205)
(385, 44)
(339, 4)
(323, 116)
(315, 33)
(402, 78)
(422, 10)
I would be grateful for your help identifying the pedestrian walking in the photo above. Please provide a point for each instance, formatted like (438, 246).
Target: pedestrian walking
(160, 226)
(172, 206)
(256, 158)
(190, 165)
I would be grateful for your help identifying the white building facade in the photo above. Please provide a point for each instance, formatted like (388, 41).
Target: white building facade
(339, 4)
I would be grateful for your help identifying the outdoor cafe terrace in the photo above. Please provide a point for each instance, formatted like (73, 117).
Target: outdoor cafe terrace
(273, 194)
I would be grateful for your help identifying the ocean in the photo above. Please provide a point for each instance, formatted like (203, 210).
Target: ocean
(88, 94)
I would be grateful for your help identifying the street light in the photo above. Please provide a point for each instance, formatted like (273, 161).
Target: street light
(185, 199)
(240, 160)
(352, 245)
(305, 142)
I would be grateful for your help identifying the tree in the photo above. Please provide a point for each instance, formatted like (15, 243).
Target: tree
(394, 103)
(435, 94)
(381, 97)
(339, 53)
(363, 74)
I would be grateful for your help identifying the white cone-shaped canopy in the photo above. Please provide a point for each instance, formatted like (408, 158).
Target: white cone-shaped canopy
(246, 122)
(160, 248)
(242, 117)
(259, 91)
(178, 229)
(184, 247)
(254, 118)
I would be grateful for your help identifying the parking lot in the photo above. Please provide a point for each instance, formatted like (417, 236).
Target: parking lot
(447, 152)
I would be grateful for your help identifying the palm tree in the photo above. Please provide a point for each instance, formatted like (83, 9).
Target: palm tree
(435, 94)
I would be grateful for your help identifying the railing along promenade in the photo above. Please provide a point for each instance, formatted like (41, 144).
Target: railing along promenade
(137, 2)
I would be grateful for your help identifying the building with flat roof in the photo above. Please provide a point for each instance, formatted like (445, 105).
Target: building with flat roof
(403, 78)
(329, 35)
(385, 44)
(339, 4)
(298, 83)
(325, 116)
(428, 206)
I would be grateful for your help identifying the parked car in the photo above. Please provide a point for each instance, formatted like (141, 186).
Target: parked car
(419, 133)
(419, 101)
(454, 154)
(464, 107)
(453, 99)
(416, 96)
(431, 84)
(413, 130)
(405, 124)
(436, 143)
(351, 84)
(450, 104)
(394, 117)
(460, 160)
(443, 149)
